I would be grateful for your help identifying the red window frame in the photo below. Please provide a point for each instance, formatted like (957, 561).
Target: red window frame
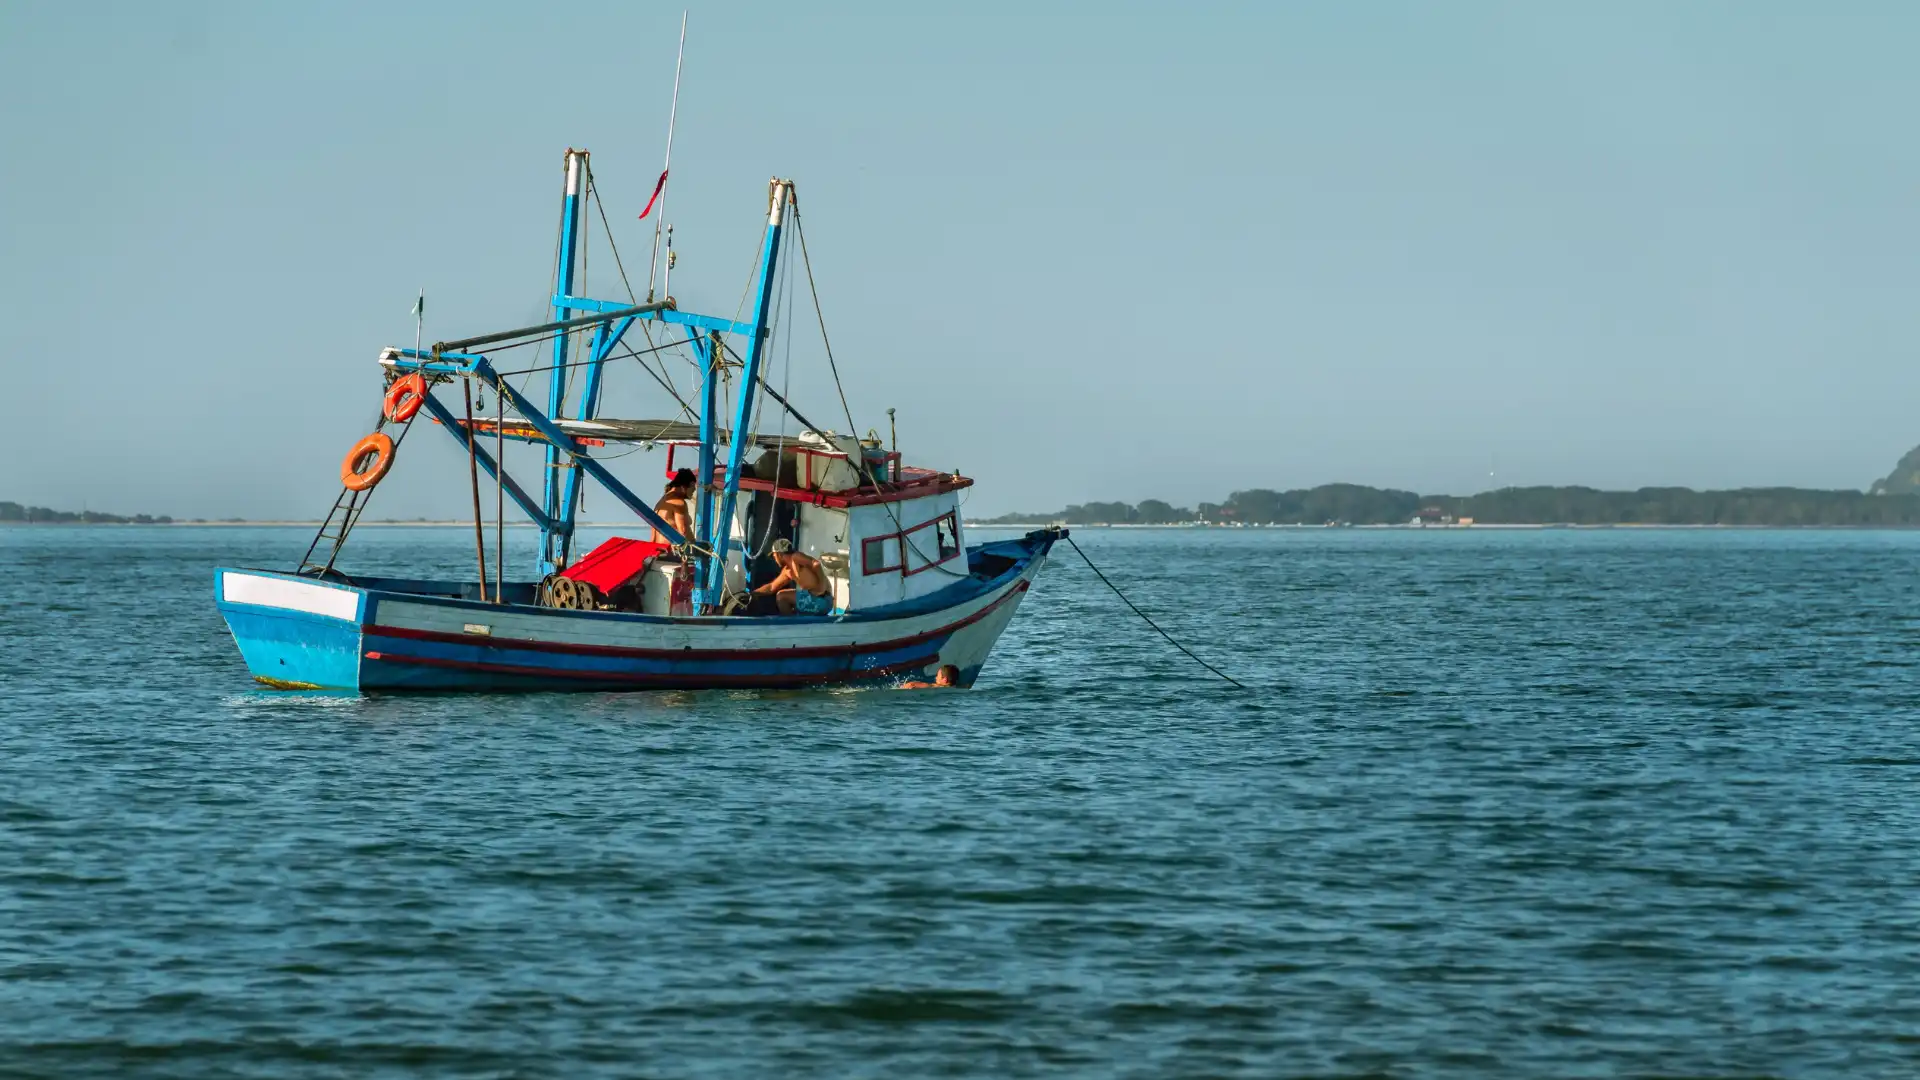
(952, 517)
(901, 540)
(867, 562)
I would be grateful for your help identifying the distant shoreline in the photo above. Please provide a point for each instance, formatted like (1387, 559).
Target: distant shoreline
(1194, 526)
(1334, 506)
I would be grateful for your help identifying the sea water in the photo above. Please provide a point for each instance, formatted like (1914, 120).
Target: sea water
(1554, 803)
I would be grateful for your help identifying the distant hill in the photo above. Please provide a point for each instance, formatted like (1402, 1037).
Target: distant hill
(13, 512)
(1903, 480)
(1359, 505)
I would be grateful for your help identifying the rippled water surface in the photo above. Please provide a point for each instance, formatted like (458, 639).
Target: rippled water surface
(1495, 804)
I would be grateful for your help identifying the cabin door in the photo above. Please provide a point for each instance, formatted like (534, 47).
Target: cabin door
(768, 519)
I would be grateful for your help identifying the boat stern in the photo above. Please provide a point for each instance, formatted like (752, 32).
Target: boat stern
(294, 633)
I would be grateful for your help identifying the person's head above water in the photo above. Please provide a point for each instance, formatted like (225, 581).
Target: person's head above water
(948, 675)
(682, 481)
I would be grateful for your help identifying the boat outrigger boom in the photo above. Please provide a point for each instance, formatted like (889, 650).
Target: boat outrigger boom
(882, 586)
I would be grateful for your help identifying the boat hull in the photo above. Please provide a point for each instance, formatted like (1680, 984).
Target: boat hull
(382, 635)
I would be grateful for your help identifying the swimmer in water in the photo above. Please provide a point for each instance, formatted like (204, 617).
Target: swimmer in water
(947, 676)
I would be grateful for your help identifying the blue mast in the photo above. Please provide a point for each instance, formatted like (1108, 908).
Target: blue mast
(712, 355)
(720, 528)
(555, 540)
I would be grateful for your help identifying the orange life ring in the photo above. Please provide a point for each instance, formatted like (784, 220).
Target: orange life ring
(367, 463)
(404, 397)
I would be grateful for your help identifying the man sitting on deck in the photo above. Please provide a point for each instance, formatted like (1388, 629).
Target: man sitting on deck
(673, 505)
(801, 587)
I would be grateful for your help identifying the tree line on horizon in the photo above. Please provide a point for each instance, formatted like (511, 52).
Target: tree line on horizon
(1357, 504)
(36, 515)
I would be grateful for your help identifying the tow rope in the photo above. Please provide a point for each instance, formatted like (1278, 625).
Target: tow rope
(1145, 619)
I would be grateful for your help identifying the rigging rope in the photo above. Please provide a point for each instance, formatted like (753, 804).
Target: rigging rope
(819, 313)
(578, 363)
(1145, 619)
(853, 428)
(780, 446)
(663, 377)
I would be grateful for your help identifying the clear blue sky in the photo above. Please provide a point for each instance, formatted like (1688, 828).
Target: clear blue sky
(1087, 252)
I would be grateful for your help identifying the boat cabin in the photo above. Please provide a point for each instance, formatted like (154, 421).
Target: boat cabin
(883, 533)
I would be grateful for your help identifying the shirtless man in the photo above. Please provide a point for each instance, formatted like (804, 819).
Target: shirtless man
(801, 588)
(674, 507)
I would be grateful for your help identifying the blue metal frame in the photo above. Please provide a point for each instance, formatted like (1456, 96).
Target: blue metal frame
(560, 442)
(554, 541)
(521, 499)
(722, 533)
(670, 316)
(560, 497)
(711, 356)
(604, 340)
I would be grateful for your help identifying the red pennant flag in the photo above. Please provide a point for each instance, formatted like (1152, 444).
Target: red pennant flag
(662, 182)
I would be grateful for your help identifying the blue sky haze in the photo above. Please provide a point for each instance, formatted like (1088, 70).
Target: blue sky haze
(1094, 251)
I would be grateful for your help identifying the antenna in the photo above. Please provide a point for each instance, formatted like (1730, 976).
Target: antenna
(673, 114)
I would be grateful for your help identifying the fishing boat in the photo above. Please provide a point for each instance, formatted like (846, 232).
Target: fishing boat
(906, 598)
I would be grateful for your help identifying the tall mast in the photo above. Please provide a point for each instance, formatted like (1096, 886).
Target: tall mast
(673, 114)
(712, 353)
(554, 541)
(721, 534)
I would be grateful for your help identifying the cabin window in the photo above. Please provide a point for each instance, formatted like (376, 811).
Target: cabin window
(949, 538)
(880, 554)
(931, 543)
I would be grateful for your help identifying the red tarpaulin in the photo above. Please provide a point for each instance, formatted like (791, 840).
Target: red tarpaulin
(613, 563)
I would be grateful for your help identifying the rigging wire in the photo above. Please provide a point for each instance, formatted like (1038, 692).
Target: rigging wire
(579, 363)
(661, 376)
(600, 204)
(784, 316)
(853, 428)
(820, 313)
(593, 192)
(660, 190)
(1144, 618)
(685, 409)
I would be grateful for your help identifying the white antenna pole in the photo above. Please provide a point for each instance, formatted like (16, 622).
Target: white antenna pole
(673, 114)
(666, 276)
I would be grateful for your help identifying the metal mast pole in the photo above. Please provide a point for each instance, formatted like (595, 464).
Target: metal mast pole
(554, 541)
(711, 353)
(673, 114)
(781, 194)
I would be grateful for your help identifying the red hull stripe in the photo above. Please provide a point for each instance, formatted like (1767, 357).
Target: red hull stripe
(794, 653)
(648, 679)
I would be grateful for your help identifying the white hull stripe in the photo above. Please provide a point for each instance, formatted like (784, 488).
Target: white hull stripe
(276, 592)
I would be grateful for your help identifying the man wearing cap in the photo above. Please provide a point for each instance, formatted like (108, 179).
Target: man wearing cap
(801, 588)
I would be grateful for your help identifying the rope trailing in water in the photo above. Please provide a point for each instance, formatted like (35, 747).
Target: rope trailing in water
(1148, 621)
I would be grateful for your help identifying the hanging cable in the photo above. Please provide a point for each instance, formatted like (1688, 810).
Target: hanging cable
(1145, 619)
(582, 363)
(821, 314)
(839, 387)
(780, 444)
(652, 347)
